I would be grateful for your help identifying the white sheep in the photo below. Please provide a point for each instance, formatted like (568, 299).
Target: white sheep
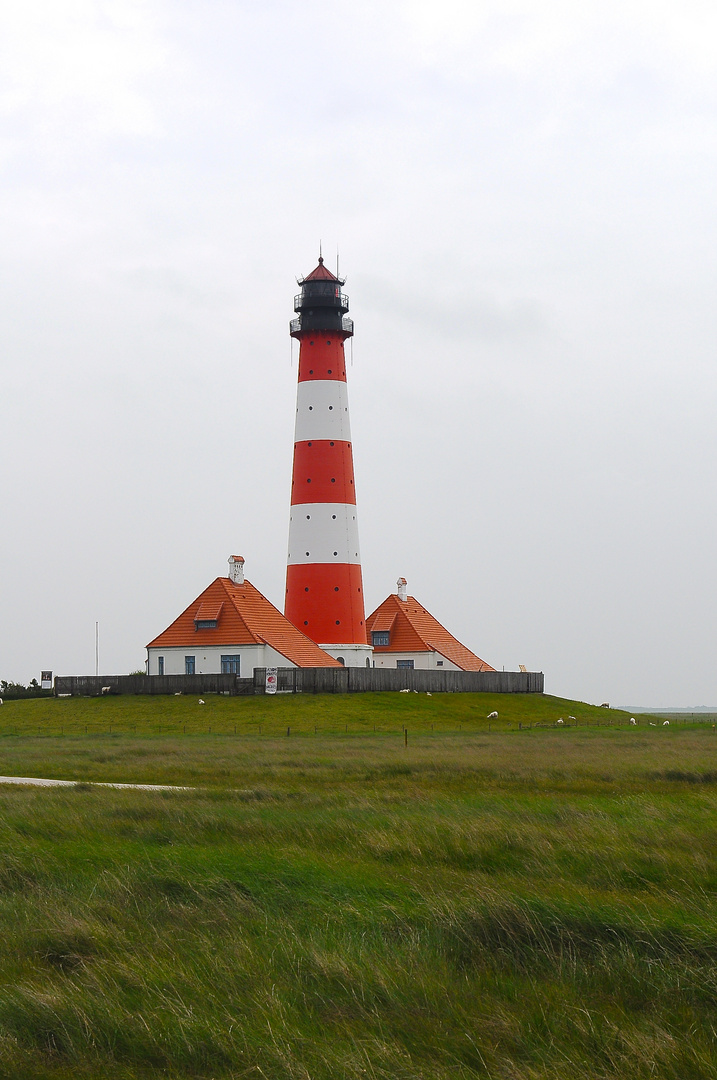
(404, 691)
(492, 716)
(633, 720)
(571, 718)
(201, 701)
(106, 689)
(428, 693)
(665, 723)
(560, 721)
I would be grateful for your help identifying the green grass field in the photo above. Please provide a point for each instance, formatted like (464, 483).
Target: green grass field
(528, 902)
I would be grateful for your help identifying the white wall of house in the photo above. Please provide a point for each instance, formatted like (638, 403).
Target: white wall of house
(421, 660)
(208, 659)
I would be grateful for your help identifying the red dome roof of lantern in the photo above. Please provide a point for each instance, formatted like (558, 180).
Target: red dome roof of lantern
(320, 273)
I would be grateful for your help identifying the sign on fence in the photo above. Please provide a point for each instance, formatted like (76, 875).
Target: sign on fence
(272, 675)
(46, 680)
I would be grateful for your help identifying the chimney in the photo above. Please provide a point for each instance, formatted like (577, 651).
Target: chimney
(402, 594)
(236, 569)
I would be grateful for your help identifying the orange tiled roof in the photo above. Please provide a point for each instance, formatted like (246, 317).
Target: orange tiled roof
(413, 629)
(209, 610)
(245, 617)
(384, 620)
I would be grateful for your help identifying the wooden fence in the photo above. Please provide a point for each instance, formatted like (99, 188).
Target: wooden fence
(310, 681)
(357, 680)
(91, 685)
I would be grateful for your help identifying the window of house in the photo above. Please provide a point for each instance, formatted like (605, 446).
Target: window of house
(230, 665)
(439, 663)
(160, 665)
(404, 663)
(189, 665)
(380, 637)
(205, 624)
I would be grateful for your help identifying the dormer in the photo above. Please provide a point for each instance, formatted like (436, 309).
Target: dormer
(381, 630)
(207, 616)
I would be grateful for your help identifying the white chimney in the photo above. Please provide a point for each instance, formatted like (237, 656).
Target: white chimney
(236, 569)
(402, 594)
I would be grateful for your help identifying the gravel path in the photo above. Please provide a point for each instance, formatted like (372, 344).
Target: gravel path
(38, 782)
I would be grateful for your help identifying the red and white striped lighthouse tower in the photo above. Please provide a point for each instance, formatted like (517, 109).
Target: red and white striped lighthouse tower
(324, 589)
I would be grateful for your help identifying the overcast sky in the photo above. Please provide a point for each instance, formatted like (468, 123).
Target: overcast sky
(523, 197)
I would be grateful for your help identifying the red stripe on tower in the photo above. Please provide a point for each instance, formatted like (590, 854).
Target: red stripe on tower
(324, 590)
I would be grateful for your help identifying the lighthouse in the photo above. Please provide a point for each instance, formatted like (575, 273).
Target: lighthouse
(324, 587)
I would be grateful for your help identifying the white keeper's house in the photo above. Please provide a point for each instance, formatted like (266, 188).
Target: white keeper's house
(231, 629)
(404, 634)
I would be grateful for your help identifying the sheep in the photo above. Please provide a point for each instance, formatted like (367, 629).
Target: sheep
(428, 693)
(404, 691)
(665, 723)
(492, 716)
(571, 718)
(560, 721)
(106, 689)
(651, 724)
(633, 720)
(201, 701)
(1, 701)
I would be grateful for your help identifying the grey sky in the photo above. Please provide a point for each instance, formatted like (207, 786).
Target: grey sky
(523, 197)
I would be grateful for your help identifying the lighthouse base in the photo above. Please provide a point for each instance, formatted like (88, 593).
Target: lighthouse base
(351, 655)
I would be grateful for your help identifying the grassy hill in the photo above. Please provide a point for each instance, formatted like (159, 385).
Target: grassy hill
(529, 902)
(327, 712)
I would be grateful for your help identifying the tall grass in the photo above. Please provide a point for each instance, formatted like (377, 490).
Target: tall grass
(521, 904)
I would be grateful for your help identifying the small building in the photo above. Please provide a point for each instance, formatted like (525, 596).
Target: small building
(231, 629)
(404, 634)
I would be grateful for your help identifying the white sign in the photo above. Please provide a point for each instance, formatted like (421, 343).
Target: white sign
(271, 680)
(46, 680)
